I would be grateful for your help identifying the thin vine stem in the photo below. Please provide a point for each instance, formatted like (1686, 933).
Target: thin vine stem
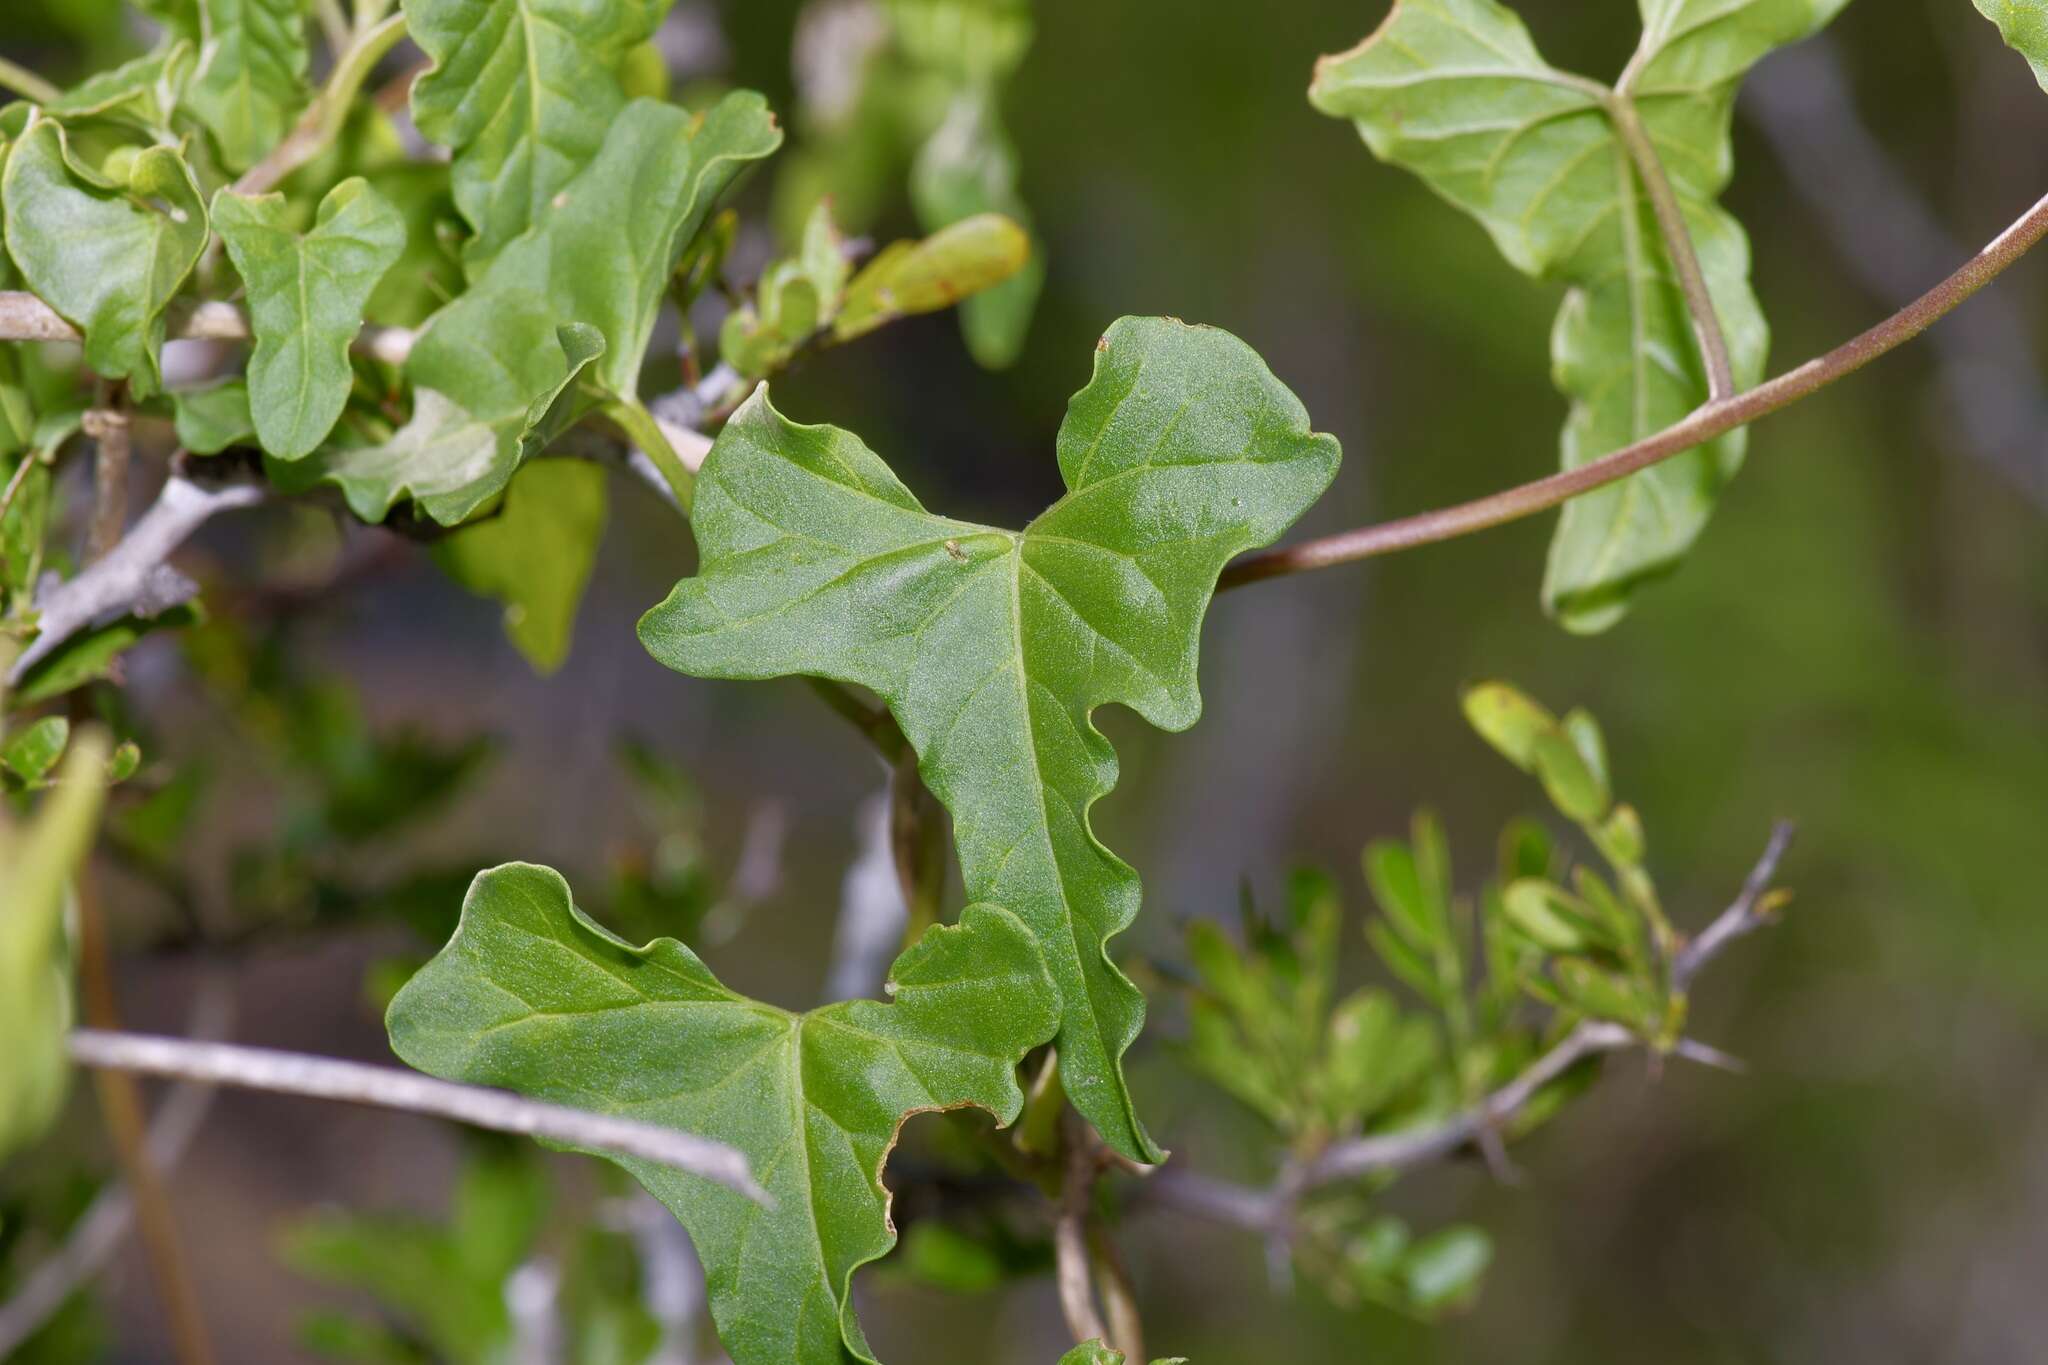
(1703, 424)
(1685, 261)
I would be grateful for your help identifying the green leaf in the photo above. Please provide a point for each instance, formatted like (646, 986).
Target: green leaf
(992, 648)
(793, 300)
(211, 419)
(251, 81)
(485, 370)
(965, 170)
(452, 458)
(2024, 26)
(144, 92)
(1552, 918)
(1455, 91)
(1099, 1352)
(30, 753)
(536, 555)
(1443, 1270)
(534, 996)
(1508, 719)
(954, 263)
(107, 256)
(1567, 757)
(525, 92)
(306, 299)
(35, 991)
(88, 655)
(1374, 1054)
(1419, 914)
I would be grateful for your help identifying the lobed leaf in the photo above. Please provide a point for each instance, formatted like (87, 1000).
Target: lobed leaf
(106, 254)
(306, 299)
(525, 92)
(534, 996)
(992, 648)
(1456, 91)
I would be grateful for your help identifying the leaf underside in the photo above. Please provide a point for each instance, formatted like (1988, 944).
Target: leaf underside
(992, 648)
(533, 996)
(2024, 26)
(1456, 92)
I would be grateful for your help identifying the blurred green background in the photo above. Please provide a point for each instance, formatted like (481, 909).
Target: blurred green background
(1860, 643)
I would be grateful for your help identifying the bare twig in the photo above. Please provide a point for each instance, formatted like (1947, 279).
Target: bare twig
(1685, 262)
(1703, 424)
(1742, 915)
(327, 1078)
(24, 317)
(110, 430)
(97, 1235)
(869, 930)
(1070, 1238)
(133, 575)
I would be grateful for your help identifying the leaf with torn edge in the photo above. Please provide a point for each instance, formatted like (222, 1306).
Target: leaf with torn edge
(524, 92)
(992, 648)
(250, 83)
(1455, 91)
(595, 266)
(536, 555)
(306, 298)
(534, 996)
(106, 255)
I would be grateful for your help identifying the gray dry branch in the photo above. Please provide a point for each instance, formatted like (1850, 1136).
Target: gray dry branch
(327, 1078)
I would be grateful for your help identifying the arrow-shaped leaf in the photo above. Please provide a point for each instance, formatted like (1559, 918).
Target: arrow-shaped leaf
(524, 91)
(1455, 91)
(993, 647)
(533, 996)
(306, 299)
(107, 255)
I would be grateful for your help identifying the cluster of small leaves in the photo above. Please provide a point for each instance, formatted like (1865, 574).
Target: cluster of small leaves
(534, 263)
(1456, 91)
(1266, 1024)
